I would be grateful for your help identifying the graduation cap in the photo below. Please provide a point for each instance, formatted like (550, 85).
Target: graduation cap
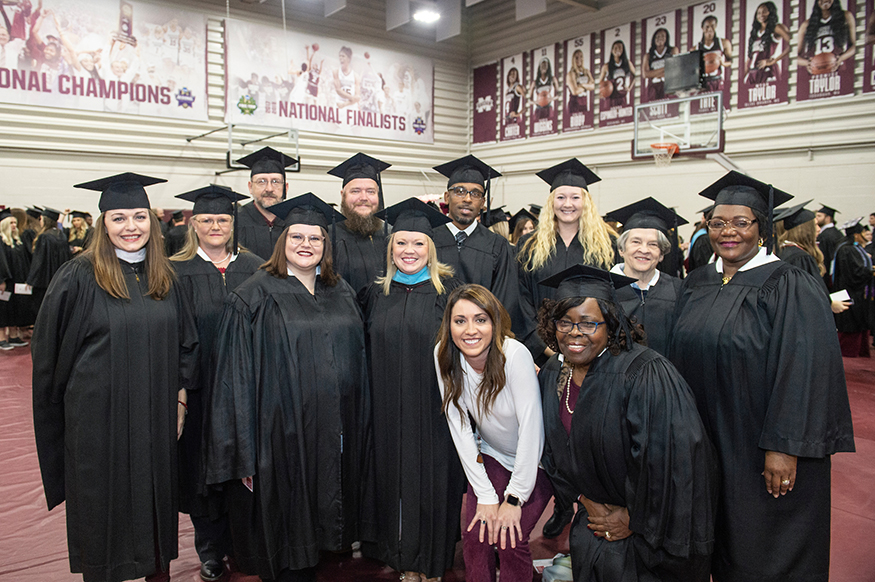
(853, 226)
(521, 215)
(469, 169)
(51, 214)
(307, 209)
(4, 214)
(793, 216)
(831, 212)
(122, 191)
(413, 215)
(535, 210)
(569, 173)
(494, 216)
(737, 189)
(584, 281)
(363, 166)
(79, 214)
(214, 199)
(178, 215)
(647, 213)
(267, 161)
(34, 212)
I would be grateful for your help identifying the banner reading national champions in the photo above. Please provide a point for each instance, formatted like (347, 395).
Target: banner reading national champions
(307, 82)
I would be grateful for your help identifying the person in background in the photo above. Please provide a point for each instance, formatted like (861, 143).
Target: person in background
(175, 238)
(827, 240)
(78, 233)
(496, 221)
(700, 244)
(853, 272)
(17, 312)
(521, 224)
(50, 251)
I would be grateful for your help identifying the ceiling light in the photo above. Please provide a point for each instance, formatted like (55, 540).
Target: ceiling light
(427, 16)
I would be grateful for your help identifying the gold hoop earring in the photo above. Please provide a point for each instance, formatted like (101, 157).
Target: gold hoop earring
(760, 242)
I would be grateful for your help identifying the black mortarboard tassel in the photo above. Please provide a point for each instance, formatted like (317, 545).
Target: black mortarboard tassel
(122, 191)
(494, 216)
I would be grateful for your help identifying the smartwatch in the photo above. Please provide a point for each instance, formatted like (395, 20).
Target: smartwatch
(513, 500)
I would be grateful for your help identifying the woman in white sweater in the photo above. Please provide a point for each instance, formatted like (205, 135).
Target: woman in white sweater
(487, 376)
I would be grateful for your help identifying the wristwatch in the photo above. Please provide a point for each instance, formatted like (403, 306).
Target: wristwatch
(513, 500)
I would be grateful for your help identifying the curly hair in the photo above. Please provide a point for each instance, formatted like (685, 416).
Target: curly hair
(837, 24)
(771, 23)
(551, 310)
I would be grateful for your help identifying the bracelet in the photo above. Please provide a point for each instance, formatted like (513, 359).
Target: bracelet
(184, 405)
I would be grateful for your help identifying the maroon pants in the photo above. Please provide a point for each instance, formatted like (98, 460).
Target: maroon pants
(855, 345)
(516, 563)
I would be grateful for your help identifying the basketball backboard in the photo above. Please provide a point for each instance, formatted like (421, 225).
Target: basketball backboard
(693, 123)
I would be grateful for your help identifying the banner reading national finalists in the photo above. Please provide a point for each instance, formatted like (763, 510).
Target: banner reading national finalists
(545, 91)
(869, 53)
(825, 45)
(102, 55)
(764, 73)
(579, 84)
(617, 76)
(301, 81)
(513, 98)
(485, 116)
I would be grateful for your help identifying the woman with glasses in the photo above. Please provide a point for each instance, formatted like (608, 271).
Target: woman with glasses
(208, 268)
(288, 421)
(757, 344)
(623, 439)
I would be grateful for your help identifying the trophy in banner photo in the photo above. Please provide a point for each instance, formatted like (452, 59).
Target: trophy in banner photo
(125, 24)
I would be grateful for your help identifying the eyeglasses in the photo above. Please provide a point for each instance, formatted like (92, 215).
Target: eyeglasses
(738, 224)
(314, 239)
(584, 327)
(460, 192)
(222, 222)
(263, 182)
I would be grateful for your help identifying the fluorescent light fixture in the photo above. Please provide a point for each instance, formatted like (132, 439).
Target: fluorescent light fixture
(426, 15)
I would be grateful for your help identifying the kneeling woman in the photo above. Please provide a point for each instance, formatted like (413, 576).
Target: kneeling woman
(637, 457)
(488, 376)
(289, 412)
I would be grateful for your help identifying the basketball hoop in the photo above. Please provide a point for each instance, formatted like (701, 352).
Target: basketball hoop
(662, 153)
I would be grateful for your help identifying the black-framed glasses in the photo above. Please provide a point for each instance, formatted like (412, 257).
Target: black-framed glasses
(584, 327)
(739, 224)
(461, 192)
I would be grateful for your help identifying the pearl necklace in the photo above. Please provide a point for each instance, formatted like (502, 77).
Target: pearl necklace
(228, 256)
(568, 391)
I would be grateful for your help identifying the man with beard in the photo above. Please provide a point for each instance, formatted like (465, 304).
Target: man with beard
(828, 240)
(476, 254)
(360, 241)
(258, 228)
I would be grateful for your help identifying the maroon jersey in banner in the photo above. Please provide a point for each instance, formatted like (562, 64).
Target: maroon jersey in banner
(656, 86)
(620, 80)
(713, 79)
(579, 103)
(762, 49)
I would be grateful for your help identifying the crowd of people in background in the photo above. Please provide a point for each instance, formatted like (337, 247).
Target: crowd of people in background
(344, 377)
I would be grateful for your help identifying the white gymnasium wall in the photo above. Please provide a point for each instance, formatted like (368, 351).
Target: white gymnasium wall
(823, 150)
(43, 151)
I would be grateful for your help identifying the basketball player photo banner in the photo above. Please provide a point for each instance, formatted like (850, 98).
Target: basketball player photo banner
(710, 32)
(545, 91)
(869, 52)
(617, 76)
(825, 49)
(660, 37)
(301, 81)
(579, 83)
(513, 98)
(764, 63)
(485, 116)
(104, 55)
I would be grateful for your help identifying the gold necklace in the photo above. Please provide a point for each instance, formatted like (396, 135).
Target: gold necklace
(568, 391)
(726, 279)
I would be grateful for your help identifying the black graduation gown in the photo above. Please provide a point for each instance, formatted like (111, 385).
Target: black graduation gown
(28, 235)
(19, 311)
(359, 259)
(828, 240)
(50, 252)
(418, 475)
(655, 311)
(106, 373)
(81, 242)
(636, 441)
(700, 252)
(793, 255)
(205, 289)
(174, 240)
(763, 360)
(291, 406)
(485, 258)
(254, 233)
(853, 272)
(532, 294)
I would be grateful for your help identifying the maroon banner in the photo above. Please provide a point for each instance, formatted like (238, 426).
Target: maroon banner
(545, 91)
(710, 32)
(485, 117)
(579, 83)
(660, 37)
(764, 78)
(869, 53)
(513, 97)
(617, 76)
(825, 44)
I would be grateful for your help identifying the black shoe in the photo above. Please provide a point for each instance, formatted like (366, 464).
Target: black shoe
(211, 570)
(557, 522)
(17, 342)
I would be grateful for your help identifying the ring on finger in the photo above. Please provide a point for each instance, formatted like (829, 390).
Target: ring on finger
(785, 482)
(608, 534)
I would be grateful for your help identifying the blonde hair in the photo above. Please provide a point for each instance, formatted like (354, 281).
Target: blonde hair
(502, 229)
(6, 231)
(593, 234)
(78, 232)
(189, 249)
(436, 269)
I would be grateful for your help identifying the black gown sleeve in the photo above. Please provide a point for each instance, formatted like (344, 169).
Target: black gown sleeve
(188, 340)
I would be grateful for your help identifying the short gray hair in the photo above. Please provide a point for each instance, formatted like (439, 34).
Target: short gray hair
(661, 240)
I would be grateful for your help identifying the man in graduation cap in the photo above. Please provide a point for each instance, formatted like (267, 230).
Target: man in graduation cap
(852, 272)
(258, 228)
(174, 240)
(755, 341)
(360, 243)
(828, 240)
(644, 243)
(476, 254)
(50, 251)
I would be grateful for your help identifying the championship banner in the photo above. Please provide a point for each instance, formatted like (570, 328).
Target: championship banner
(825, 43)
(513, 118)
(301, 81)
(869, 53)
(485, 117)
(660, 37)
(579, 83)
(104, 55)
(617, 76)
(545, 91)
(710, 32)
(764, 65)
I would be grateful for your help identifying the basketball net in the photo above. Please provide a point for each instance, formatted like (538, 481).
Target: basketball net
(662, 153)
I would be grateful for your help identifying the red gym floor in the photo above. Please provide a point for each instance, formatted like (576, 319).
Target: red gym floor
(33, 543)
